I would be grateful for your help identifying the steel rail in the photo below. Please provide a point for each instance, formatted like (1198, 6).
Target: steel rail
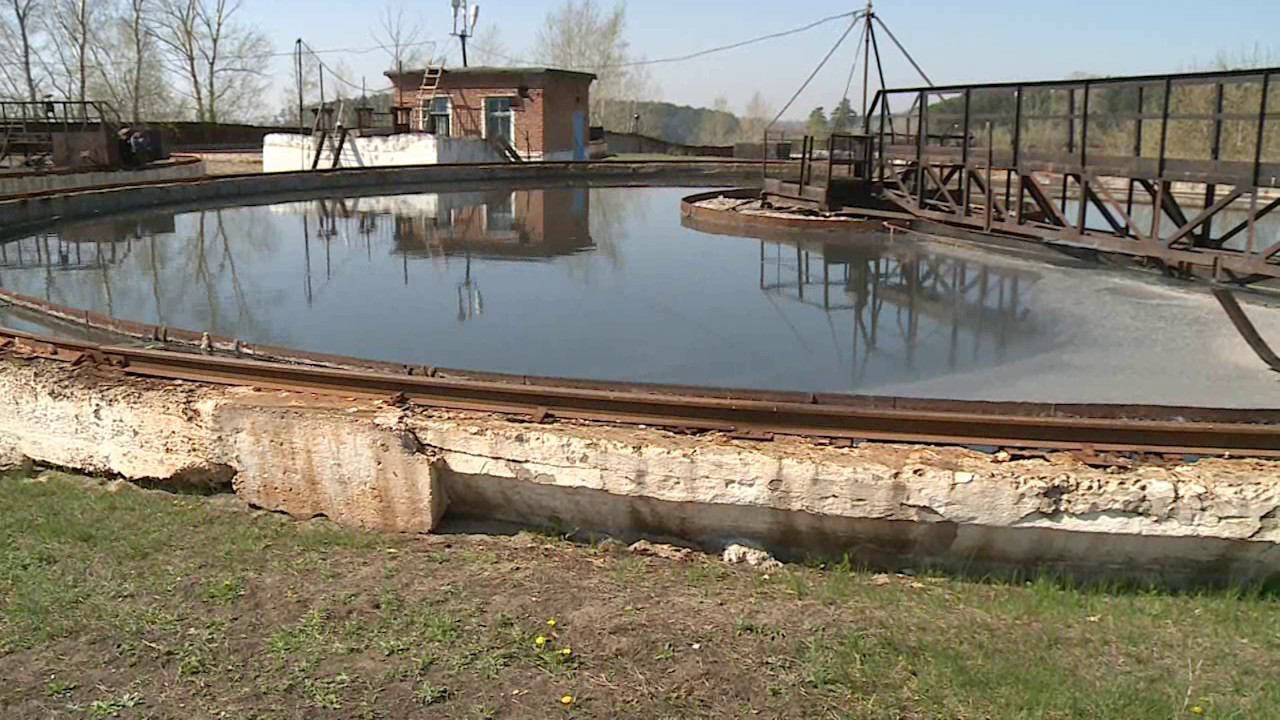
(747, 415)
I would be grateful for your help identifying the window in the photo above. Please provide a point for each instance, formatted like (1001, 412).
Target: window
(498, 119)
(440, 117)
(500, 213)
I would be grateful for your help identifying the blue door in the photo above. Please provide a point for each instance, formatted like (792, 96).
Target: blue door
(579, 136)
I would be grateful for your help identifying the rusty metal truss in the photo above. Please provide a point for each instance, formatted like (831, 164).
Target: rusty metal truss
(1180, 170)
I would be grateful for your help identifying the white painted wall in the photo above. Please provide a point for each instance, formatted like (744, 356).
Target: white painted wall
(285, 152)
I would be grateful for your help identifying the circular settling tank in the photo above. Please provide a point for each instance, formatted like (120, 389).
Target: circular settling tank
(606, 283)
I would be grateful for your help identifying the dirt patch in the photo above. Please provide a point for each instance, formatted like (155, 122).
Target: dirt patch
(231, 163)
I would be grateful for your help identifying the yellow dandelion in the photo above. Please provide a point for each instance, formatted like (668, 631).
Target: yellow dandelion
(566, 700)
(566, 651)
(540, 641)
(1197, 710)
(551, 622)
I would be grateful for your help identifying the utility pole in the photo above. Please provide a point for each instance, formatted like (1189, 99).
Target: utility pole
(465, 15)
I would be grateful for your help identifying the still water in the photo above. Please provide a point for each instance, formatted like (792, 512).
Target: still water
(600, 283)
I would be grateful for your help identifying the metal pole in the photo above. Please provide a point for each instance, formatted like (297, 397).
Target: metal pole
(1262, 120)
(1082, 179)
(920, 140)
(302, 120)
(1137, 148)
(1257, 162)
(990, 162)
(1215, 151)
(875, 47)
(1164, 124)
(866, 58)
(1017, 149)
(903, 50)
(320, 115)
(965, 184)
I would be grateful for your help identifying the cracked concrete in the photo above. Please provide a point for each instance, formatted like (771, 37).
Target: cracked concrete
(368, 464)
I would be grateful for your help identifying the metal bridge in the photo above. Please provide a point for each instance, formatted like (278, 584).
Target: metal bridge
(1179, 170)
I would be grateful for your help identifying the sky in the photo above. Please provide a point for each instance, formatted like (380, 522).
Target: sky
(953, 41)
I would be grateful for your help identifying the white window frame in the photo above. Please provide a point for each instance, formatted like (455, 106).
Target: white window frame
(484, 116)
(447, 113)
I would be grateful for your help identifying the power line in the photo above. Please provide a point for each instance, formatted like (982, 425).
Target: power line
(857, 55)
(818, 69)
(324, 67)
(701, 53)
(735, 46)
(612, 66)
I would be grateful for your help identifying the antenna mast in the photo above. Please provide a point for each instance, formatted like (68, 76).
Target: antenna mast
(465, 15)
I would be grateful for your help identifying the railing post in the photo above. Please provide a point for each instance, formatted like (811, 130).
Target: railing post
(1215, 152)
(1137, 145)
(920, 141)
(990, 161)
(1262, 120)
(1257, 163)
(1084, 129)
(1164, 126)
(1017, 148)
(880, 143)
(964, 156)
(1071, 120)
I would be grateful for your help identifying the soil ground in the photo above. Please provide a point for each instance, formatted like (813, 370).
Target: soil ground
(231, 163)
(121, 602)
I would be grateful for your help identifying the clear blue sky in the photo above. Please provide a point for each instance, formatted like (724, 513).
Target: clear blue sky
(955, 41)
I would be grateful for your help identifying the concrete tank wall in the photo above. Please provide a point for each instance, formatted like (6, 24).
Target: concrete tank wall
(26, 183)
(373, 464)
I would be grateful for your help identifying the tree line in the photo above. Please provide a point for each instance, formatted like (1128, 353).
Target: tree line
(151, 59)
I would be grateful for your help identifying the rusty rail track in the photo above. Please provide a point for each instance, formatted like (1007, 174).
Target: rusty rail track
(1088, 428)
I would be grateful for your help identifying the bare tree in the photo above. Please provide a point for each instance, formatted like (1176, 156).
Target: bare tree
(719, 126)
(219, 59)
(177, 29)
(756, 118)
(487, 48)
(127, 67)
(20, 34)
(72, 30)
(581, 35)
(401, 38)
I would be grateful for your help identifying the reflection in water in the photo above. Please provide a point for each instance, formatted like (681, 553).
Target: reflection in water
(491, 225)
(896, 293)
(601, 283)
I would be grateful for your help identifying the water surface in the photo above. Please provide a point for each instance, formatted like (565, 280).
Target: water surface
(606, 283)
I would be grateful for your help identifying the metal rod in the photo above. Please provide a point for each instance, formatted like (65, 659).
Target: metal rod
(903, 50)
(1262, 120)
(966, 186)
(1164, 129)
(1246, 328)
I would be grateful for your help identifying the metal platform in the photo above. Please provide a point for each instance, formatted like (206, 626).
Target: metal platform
(1074, 162)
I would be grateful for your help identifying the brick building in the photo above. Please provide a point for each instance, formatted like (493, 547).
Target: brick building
(540, 112)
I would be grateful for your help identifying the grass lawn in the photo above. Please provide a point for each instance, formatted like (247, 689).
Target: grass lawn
(137, 604)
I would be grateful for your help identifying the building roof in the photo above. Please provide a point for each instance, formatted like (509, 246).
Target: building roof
(493, 70)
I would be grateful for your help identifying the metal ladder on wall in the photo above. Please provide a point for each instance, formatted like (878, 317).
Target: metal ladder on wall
(427, 94)
(335, 140)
